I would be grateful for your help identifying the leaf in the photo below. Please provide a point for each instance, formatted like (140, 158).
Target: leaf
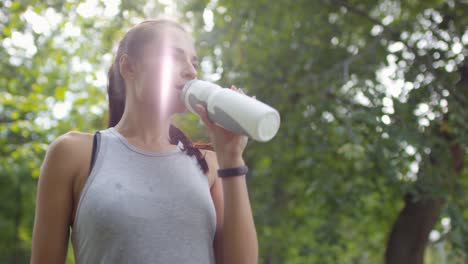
(60, 93)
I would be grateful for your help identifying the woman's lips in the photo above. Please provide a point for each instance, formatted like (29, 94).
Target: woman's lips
(179, 89)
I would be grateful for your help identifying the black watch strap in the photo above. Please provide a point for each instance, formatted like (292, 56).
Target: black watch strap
(238, 171)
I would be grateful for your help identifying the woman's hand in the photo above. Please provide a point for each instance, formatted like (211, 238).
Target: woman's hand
(227, 144)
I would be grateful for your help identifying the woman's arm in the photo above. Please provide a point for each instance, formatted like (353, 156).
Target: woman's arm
(54, 203)
(236, 237)
(239, 237)
(240, 243)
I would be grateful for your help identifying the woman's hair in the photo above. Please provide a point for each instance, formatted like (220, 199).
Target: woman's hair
(131, 44)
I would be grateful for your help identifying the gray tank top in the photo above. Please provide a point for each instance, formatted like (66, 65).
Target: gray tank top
(139, 206)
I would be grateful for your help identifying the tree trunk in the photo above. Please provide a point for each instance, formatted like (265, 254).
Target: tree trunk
(410, 232)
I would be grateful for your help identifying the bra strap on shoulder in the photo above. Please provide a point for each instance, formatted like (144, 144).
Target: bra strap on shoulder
(96, 143)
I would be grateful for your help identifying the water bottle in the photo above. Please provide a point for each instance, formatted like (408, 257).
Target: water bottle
(232, 110)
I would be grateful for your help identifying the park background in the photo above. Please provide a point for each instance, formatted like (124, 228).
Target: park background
(371, 153)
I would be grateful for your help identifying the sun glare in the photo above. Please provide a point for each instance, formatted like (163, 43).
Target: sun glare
(166, 80)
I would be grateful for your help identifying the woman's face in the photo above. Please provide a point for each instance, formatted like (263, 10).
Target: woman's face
(166, 64)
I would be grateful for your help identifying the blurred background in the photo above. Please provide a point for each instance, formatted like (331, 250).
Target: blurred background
(370, 159)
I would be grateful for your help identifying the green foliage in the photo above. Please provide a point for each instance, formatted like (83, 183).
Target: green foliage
(329, 186)
(365, 90)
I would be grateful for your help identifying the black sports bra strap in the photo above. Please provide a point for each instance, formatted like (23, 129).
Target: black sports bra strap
(96, 143)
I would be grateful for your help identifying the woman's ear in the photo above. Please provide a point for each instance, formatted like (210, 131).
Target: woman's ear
(127, 68)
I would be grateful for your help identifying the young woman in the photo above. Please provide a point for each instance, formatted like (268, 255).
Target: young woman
(143, 193)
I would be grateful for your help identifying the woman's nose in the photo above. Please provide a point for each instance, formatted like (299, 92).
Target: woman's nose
(189, 72)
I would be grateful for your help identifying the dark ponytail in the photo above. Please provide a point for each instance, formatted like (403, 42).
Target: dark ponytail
(138, 35)
(116, 94)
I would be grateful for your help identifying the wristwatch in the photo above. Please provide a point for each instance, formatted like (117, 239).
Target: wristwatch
(238, 171)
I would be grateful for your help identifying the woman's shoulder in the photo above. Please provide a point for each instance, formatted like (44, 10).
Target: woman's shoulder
(70, 141)
(212, 161)
(72, 148)
(210, 155)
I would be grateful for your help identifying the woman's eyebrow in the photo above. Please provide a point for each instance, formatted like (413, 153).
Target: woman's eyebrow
(182, 52)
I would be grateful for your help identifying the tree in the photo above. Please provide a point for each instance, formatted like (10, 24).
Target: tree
(369, 159)
(354, 141)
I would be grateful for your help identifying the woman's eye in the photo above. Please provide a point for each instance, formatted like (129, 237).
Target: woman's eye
(178, 56)
(181, 57)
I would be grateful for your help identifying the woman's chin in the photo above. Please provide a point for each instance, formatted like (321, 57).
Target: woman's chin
(179, 107)
(182, 109)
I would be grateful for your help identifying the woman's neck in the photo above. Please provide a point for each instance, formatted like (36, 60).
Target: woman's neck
(146, 125)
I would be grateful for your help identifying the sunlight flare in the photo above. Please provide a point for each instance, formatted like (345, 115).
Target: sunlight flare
(166, 80)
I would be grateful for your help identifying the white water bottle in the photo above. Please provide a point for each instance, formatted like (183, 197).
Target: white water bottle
(232, 110)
